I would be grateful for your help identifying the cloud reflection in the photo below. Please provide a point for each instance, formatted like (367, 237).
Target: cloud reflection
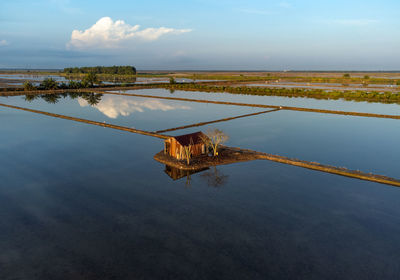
(114, 106)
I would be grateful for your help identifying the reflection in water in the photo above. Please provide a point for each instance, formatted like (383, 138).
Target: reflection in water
(118, 216)
(114, 106)
(176, 173)
(215, 178)
(111, 106)
(90, 98)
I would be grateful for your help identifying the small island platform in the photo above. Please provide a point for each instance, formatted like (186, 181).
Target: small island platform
(228, 155)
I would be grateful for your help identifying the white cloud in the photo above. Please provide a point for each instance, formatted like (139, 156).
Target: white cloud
(4, 43)
(114, 106)
(106, 33)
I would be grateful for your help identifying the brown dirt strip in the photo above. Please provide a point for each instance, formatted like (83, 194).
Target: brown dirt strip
(89, 122)
(229, 155)
(323, 111)
(107, 91)
(55, 91)
(235, 154)
(216, 121)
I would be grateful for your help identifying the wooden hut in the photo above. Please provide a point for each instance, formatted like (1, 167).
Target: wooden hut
(175, 145)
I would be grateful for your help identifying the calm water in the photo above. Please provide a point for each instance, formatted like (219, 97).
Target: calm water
(366, 144)
(368, 107)
(142, 113)
(84, 202)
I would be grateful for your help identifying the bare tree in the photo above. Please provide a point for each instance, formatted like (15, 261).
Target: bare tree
(188, 151)
(215, 137)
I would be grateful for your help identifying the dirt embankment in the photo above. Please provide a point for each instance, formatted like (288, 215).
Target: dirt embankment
(228, 155)
(335, 112)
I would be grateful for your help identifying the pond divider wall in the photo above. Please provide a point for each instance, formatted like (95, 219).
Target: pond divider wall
(106, 91)
(216, 121)
(228, 155)
(323, 111)
(90, 122)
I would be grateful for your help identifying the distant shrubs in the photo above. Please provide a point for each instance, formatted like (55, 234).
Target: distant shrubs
(374, 96)
(90, 80)
(48, 83)
(74, 85)
(120, 70)
(28, 86)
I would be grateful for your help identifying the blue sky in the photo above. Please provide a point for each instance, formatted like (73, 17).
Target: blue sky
(201, 34)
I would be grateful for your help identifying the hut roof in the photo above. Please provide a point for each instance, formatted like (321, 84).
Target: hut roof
(192, 138)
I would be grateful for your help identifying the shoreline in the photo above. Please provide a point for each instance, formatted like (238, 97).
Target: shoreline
(229, 155)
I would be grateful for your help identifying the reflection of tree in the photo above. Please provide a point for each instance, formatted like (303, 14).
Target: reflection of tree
(74, 95)
(51, 98)
(91, 98)
(30, 97)
(188, 180)
(215, 178)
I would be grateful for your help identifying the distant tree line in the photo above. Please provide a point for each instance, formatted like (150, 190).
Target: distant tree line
(89, 80)
(120, 70)
(354, 95)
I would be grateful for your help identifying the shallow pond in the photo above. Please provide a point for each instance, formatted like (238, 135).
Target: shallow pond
(84, 202)
(341, 105)
(360, 143)
(136, 112)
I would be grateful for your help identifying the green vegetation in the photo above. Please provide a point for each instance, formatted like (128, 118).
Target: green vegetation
(28, 86)
(90, 79)
(373, 96)
(119, 70)
(48, 83)
(172, 80)
(274, 77)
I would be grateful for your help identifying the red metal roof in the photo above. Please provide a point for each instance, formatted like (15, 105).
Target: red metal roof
(192, 138)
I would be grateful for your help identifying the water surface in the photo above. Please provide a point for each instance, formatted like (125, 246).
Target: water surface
(342, 105)
(85, 202)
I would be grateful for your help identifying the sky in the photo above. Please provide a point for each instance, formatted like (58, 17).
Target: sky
(201, 34)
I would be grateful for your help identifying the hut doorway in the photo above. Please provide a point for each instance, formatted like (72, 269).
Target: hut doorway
(167, 148)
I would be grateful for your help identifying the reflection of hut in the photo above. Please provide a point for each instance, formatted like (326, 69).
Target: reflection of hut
(176, 173)
(174, 145)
